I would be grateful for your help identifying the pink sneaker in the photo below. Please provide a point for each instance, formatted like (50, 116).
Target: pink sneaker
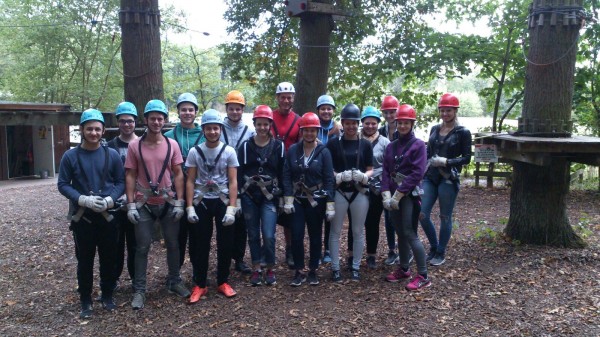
(397, 275)
(417, 283)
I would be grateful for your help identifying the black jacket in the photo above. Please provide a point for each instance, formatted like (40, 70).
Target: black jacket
(249, 157)
(456, 147)
(319, 170)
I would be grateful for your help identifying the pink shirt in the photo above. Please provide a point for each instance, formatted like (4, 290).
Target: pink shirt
(154, 159)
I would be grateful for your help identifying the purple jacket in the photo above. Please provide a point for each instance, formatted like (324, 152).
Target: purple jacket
(412, 165)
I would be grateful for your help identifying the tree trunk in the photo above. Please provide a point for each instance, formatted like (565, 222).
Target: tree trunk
(141, 53)
(538, 193)
(313, 60)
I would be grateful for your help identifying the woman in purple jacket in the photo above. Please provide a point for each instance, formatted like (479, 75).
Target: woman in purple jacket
(404, 163)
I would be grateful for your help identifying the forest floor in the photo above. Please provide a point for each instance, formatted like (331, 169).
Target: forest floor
(489, 286)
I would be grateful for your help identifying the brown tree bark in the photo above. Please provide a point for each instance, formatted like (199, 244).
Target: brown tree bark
(538, 194)
(141, 52)
(313, 60)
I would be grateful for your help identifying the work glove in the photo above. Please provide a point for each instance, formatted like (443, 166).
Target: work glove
(229, 217)
(288, 206)
(387, 197)
(395, 201)
(238, 207)
(439, 161)
(360, 177)
(338, 178)
(132, 213)
(109, 202)
(347, 176)
(330, 212)
(191, 214)
(178, 210)
(92, 202)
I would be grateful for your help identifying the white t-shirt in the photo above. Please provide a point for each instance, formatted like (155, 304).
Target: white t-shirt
(210, 171)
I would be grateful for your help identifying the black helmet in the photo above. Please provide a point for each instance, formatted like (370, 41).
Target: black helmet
(350, 112)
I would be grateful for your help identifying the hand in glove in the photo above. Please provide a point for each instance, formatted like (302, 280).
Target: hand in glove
(178, 210)
(132, 213)
(395, 201)
(338, 178)
(347, 176)
(93, 202)
(330, 212)
(360, 177)
(288, 206)
(109, 202)
(229, 217)
(191, 214)
(439, 161)
(387, 197)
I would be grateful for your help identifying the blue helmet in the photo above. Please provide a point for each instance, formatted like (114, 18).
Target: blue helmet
(371, 111)
(187, 97)
(126, 108)
(325, 99)
(156, 105)
(91, 115)
(211, 116)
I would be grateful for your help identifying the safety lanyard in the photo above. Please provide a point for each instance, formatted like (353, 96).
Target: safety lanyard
(210, 167)
(398, 159)
(84, 175)
(154, 187)
(267, 152)
(357, 154)
(239, 140)
(180, 146)
(288, 131)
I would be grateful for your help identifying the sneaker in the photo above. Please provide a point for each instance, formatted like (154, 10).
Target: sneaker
(392, 258)
(355, 275)
(417, 283)
(179, 289)
(326, 257)
(371, 264)
(99, 298)
(86, 310)
(349, 261)
(270, 278)
(397, 275)
(226, 290)
(299, 278)
(242, 267)
(197, 294)
(109, 304)
(336, 276)
(430, 255)
(289, 259)
(313, 280)
(138, 301)
(437, 260)
(256, 278)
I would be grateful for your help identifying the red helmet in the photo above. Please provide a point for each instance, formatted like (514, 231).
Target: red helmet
(389, 103)
(406, 111)
(263, 111)
(310, 120)
(448, 101)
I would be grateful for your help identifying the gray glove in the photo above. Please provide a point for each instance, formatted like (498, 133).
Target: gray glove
(93, 202)
(360, 177)
(191, 214)
(178, 210)
(439, 161)
(288, 207)
(347, 176)
(132, 213)
(229, 217)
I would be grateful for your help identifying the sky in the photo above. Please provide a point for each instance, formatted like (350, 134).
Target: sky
(204, 16)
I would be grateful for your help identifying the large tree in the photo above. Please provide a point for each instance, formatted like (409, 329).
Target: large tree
(538, 194)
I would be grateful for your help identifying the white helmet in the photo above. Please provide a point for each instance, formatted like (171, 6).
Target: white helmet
(285, 87)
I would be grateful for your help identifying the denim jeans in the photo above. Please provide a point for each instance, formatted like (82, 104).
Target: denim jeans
(312, 218)
(446, 192)
(406, 224)
(358, 209)
(260, 217)
(143, 234)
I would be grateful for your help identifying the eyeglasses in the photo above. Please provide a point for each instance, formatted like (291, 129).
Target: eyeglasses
(126, 121)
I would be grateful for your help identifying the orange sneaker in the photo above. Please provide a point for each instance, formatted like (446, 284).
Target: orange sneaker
(226, 290)
(197, 293)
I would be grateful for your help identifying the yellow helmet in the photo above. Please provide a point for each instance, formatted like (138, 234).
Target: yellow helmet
(234, 96)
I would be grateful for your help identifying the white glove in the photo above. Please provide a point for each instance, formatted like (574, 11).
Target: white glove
(387, 197)
(178, 210)
(229, 217)
(288, 206)
(347, 176)
(238, 207)
(338, 178)
(191, 214)
(360, 177)
(395, 201)
(439, 161)
(109, 202)
(92, 202)
(330, 212)
(132, 213)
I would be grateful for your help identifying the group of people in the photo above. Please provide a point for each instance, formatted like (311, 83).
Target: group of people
(304, 173)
